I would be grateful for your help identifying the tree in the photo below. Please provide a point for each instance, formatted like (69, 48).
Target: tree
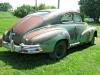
(43, 6)
(24, 10)
(5, 6)
(90, 8)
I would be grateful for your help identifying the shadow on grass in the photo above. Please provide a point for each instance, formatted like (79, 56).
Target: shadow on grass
(77, 48)
(23, 61)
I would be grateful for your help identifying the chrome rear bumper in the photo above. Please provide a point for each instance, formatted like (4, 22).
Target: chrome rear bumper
(22, 48)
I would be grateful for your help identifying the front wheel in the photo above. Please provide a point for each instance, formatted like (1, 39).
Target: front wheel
(0, 42)
(92, 42)
(59, 50)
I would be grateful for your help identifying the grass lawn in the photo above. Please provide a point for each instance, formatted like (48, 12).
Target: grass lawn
(79, 61)
(6, 21)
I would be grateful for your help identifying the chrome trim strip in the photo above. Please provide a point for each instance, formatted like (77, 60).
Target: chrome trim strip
(29, 45)
(74, 44)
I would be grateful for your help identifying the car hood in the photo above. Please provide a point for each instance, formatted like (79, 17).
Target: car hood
(27, 23)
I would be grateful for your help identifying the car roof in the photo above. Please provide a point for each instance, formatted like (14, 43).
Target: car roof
(58, 10)
(55, 12)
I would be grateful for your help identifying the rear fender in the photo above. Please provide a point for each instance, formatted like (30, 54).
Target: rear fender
(88, 34)
(49, 45)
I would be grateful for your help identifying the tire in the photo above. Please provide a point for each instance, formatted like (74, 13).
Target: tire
(0, 42)
(59, 50)
(92, 42)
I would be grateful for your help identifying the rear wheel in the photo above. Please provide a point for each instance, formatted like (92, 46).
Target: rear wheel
(59, 50)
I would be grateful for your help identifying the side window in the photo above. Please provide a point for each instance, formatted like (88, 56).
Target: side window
(77, 18)
(67, 18)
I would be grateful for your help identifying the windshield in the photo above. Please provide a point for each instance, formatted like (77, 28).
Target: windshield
(41, 13)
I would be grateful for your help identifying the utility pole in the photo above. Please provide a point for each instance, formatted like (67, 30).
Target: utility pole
(36, 4)
(58, 4)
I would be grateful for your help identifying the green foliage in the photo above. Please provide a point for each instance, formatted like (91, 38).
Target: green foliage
(90, 8)
(24, 10)
(51, 7)
(5, 6)
(43, 6)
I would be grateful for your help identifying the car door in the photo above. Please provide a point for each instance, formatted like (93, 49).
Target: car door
(80, 26)
(68, 23)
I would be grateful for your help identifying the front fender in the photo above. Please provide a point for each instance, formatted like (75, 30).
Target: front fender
(49, 45)
(88, 34)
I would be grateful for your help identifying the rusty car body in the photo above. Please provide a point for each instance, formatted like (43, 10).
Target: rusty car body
(49, 31)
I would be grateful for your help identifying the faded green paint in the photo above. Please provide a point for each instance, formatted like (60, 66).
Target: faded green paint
(49, 45)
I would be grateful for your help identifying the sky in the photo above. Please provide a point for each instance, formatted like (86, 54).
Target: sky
(64, 4)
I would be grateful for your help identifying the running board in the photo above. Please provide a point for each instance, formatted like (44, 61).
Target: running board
(74, 44)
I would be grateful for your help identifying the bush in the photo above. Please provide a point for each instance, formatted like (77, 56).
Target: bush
(5, 6)
(43, 6)
(24, 10)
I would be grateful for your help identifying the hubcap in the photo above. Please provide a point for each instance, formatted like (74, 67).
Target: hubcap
(60, 50)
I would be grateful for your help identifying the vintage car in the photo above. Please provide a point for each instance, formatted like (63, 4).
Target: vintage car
(49, 31)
